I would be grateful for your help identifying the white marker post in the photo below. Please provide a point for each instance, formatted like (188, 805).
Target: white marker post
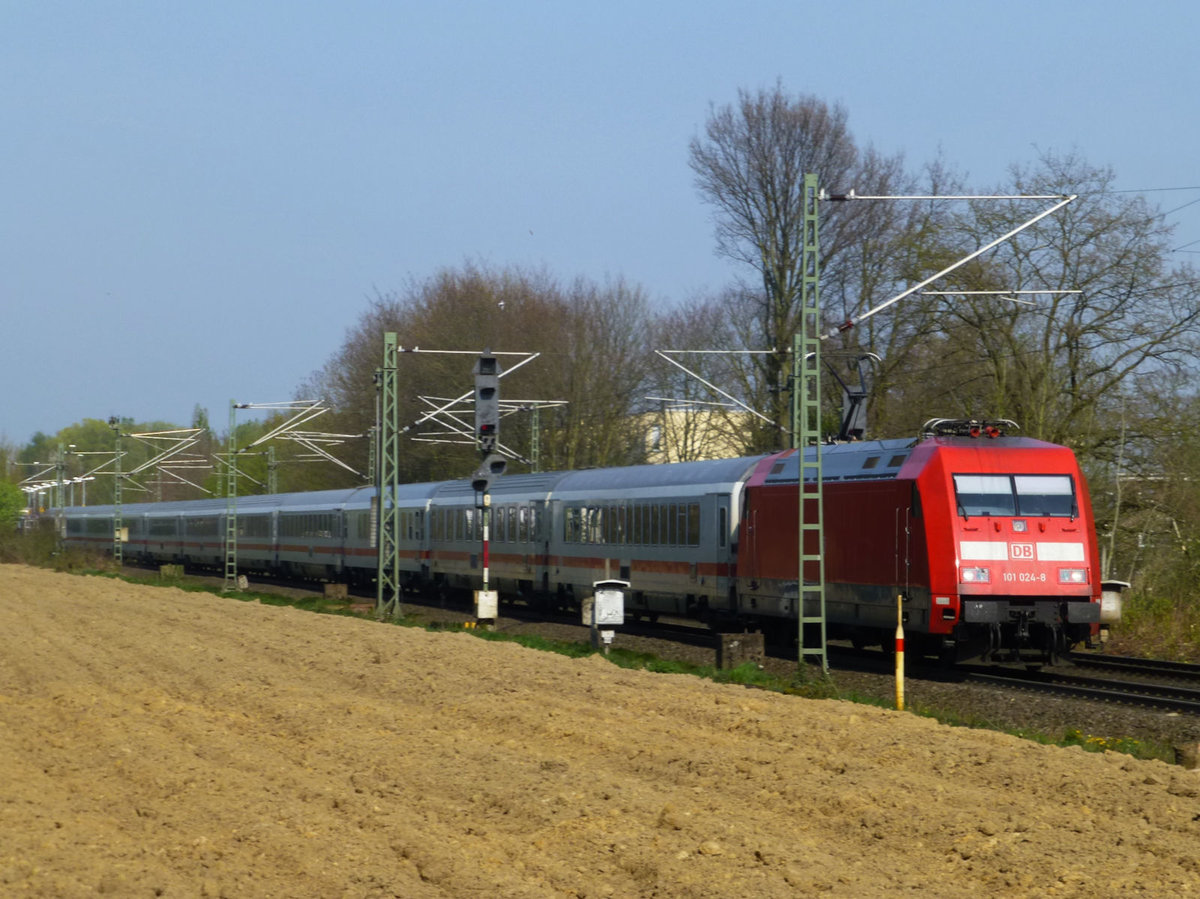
(605, 607)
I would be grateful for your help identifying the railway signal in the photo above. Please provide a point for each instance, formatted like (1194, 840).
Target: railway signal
(487, 432)
(493, 466)
(487, 402)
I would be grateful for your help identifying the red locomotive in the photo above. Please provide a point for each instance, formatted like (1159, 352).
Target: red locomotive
(989, 539)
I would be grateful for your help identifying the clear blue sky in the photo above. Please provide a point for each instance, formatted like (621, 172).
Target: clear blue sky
(199, 199)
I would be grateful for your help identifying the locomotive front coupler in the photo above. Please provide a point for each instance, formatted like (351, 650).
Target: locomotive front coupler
(1022, 638)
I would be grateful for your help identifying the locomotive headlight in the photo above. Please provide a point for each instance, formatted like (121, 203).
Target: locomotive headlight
(1072, 575)
(974, 575)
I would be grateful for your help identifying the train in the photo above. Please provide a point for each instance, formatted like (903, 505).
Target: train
(981, 543)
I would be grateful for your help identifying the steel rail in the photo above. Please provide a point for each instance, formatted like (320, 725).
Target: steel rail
(1145, 695)
(1149, 667)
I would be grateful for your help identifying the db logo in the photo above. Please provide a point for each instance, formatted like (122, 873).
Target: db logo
(1022, 551)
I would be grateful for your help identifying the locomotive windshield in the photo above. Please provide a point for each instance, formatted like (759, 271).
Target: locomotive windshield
(1022, 494)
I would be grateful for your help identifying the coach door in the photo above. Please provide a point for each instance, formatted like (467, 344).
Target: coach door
(718, 549)
(341, 531)
(540, 538)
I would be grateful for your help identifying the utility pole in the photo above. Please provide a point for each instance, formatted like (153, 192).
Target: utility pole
(305, 410)
(535, 439)
(60, 496)
(118, 525)
(231, 486)
(387, 577)
(806, 438)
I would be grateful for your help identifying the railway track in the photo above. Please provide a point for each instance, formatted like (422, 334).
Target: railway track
(1181, 671)
(1180, 695)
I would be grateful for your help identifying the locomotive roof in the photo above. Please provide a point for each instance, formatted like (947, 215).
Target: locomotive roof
(878, 460)
(867, 460)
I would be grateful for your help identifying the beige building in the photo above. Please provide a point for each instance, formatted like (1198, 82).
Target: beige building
(678, 435)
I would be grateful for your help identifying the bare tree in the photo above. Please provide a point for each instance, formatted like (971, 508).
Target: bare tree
(750, 165)
(689, 420)
(1060, 364)
(592, 344)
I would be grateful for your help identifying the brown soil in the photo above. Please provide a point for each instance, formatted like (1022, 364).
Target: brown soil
(158, 743)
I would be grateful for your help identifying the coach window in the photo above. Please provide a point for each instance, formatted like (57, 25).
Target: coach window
(722, 526)
(870, 462)
(652, 537)
(693, 529)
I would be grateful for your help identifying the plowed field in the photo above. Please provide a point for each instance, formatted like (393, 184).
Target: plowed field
(159, 743)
